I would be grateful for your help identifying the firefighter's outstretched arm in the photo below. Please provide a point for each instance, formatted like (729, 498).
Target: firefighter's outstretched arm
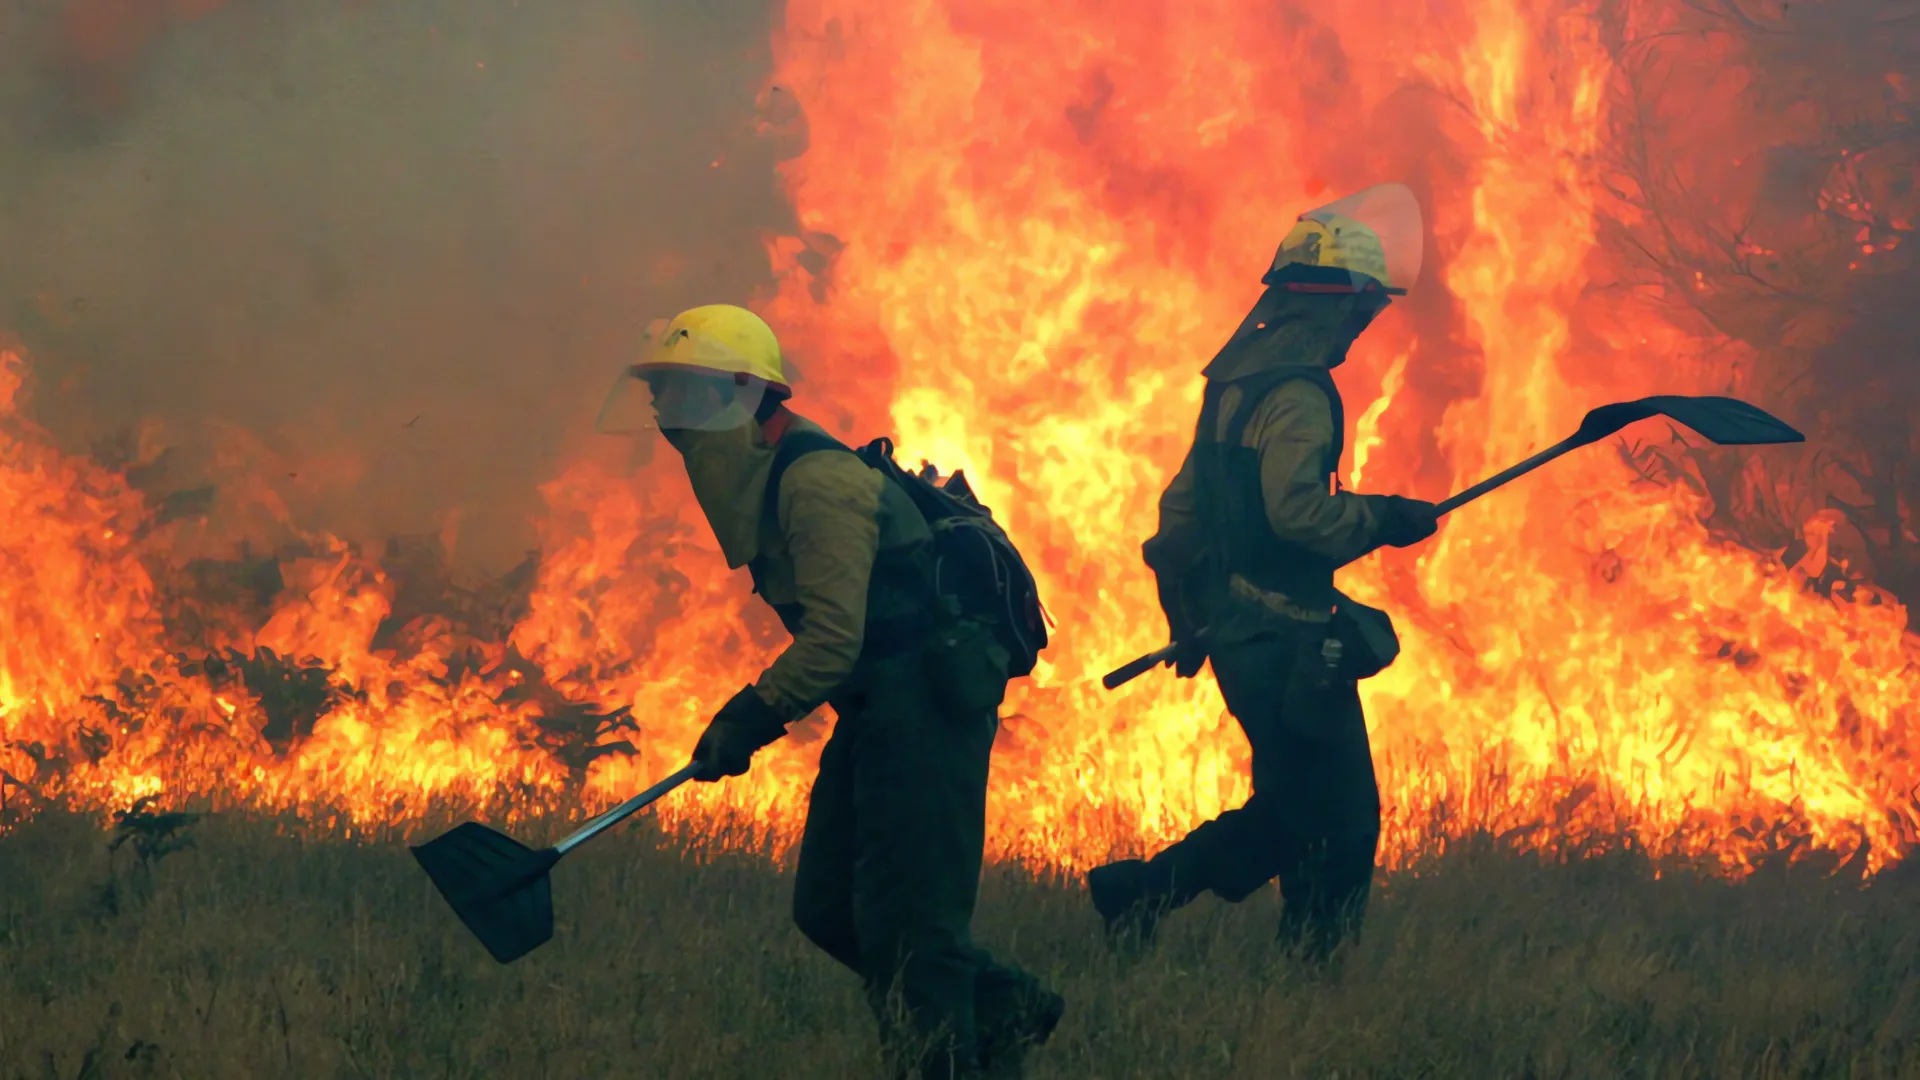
(829, 514)
(1293, 429)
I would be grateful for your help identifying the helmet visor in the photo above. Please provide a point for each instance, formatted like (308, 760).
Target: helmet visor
(685, 382)
(679, 399)
(1392, 214)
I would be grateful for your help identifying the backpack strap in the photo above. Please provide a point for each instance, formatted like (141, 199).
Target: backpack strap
(793, 446)
(883, 636)
(1254, 390)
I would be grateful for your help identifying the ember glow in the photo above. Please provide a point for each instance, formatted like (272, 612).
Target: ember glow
(1035, 232)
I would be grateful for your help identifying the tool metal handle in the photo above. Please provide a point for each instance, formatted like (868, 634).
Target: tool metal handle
(626, 809)
(1506, 476)
(1133, 669)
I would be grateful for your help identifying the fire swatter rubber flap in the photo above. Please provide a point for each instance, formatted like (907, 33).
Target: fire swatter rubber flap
(496, 885)
(1723, 420)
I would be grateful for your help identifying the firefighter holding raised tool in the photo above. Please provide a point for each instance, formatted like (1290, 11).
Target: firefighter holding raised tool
(1251, 531)
(890, 857)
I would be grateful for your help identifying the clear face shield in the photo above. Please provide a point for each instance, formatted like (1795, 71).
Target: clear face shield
(1376, 235)
(684, 382)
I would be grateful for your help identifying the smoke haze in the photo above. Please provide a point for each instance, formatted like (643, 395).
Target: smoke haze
(387, 256)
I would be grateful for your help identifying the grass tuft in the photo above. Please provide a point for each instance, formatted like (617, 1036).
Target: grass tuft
(260, 950)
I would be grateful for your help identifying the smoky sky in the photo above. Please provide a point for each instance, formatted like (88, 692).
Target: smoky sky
(406, 246)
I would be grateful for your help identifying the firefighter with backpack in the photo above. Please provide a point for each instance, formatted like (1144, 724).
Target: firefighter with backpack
(847, 549)
(1251, 531)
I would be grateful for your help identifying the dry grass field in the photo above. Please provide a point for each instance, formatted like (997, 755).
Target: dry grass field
(257, 952)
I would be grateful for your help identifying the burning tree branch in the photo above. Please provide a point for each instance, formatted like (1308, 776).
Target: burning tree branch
(1791, 241)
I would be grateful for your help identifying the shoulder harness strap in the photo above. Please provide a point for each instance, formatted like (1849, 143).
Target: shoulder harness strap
(1254, 390)
(793, 446)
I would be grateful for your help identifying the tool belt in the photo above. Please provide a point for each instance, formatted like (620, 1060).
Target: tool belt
(1347, 644)
(1277, 603)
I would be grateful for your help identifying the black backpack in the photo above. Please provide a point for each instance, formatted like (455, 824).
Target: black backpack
(974, 563)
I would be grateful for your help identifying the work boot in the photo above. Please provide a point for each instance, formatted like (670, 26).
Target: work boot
(1015, 1024)
(1125, 895)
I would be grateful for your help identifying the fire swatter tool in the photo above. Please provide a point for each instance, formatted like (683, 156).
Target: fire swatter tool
(499, 887)
(1724, 421)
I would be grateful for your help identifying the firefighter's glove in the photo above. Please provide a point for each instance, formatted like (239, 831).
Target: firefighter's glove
(1189, 655)
(742, 726)
(1404, 522)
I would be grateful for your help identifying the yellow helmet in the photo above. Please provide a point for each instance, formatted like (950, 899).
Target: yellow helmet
(1366, 241)
(720, 339)
(711, 367)
(1334, 243)
(1341, 245)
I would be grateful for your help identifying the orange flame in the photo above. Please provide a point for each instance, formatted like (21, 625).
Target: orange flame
(1049, 224)
(1021, 239)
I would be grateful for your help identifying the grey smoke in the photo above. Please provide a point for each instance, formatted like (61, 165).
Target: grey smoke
(407, 245)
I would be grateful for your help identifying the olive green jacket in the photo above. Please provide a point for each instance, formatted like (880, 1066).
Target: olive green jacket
(836, 518)
(1292, 430)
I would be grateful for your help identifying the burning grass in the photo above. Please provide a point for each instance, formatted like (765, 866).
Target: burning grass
(253, 949)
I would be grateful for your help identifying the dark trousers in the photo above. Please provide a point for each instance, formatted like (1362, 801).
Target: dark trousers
(1314, 818)
(889, 865)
